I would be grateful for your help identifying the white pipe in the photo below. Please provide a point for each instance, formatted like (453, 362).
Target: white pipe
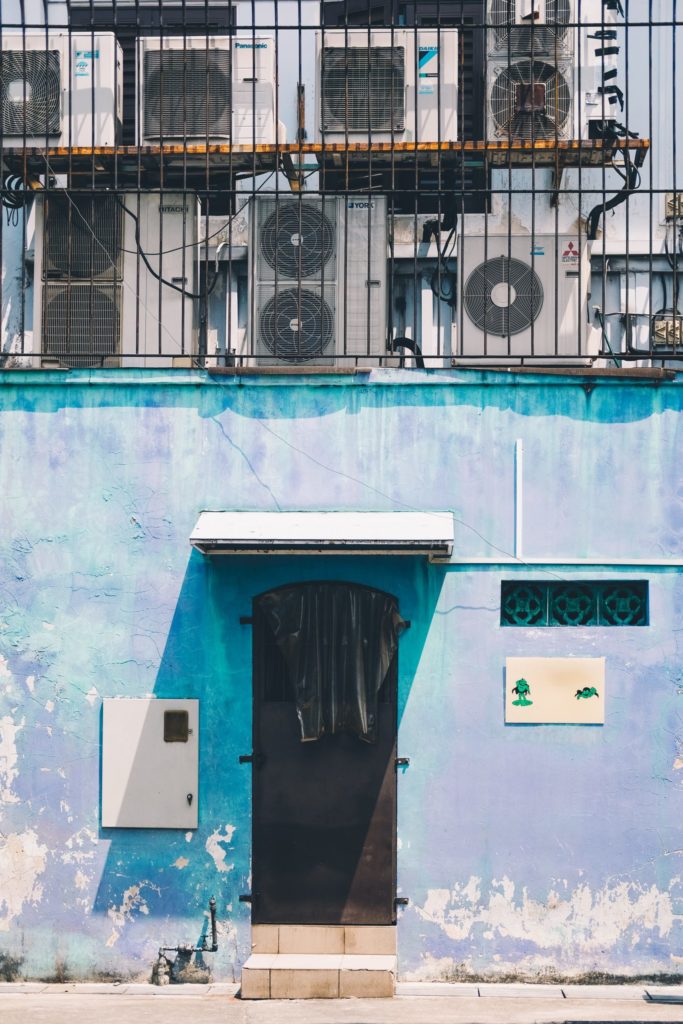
(654, 563)
(519, 496)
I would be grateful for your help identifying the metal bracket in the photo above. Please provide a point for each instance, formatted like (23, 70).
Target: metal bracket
(255, 759)
(246, 898)
(401, 762)
(401, 901)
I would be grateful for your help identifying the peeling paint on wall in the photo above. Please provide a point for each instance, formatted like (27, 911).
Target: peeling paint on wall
(22, 861)
(132, 902)
(215, 847)
(8, 759)
(585, 921)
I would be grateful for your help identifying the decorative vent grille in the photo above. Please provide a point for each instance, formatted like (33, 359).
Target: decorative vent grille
(363, 89)
(297, 240)
(518, 40)
(30, 92)
(503, 296)
(83, 237)
(298, 324)
(81, 323)
(188, 93)
(531, 100)
(600, 603)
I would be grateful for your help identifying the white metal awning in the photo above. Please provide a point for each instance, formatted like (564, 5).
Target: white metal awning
(309, 533)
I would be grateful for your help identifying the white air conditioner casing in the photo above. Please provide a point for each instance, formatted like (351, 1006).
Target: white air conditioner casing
(368, 89)
(95, 300)
(524, 297)
(545, 84)
(318, 274)
(60, 90)
(523, 26)
(179, 75)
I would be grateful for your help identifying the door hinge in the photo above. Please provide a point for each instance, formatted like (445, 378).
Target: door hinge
(401, 762)
(246, 897)
(401, 901)
(255, 759)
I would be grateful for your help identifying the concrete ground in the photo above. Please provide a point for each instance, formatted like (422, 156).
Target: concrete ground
(414, 1004)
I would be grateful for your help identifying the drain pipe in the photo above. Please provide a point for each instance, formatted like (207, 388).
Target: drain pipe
(162, 968)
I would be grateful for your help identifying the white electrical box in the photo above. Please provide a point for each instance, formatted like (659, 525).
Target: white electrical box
(150, 763)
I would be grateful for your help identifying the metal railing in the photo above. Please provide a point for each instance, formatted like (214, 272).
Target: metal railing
(307, 186)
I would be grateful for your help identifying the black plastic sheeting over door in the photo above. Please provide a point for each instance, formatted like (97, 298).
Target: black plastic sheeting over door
(324, 814)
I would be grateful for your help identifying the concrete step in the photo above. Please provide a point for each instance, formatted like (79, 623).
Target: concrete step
(313, 938)
(318, 976)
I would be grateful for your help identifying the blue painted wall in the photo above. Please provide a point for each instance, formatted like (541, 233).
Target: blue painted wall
(523, 850)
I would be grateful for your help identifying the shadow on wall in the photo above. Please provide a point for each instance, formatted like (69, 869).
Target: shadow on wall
(155, 883)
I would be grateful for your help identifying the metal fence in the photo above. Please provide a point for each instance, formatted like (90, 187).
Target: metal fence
(315, 186)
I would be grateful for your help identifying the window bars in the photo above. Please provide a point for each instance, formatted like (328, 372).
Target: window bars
(487, 183)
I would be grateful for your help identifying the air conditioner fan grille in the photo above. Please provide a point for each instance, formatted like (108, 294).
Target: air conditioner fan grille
(188, 93)
(297, 240)
(30, 92)
(82, 236)
(503, 296)
(296, 325)
(81, 323)
(530, 100)
(362, 89)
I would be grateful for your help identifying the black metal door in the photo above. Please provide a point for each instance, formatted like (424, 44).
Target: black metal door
(324, 812)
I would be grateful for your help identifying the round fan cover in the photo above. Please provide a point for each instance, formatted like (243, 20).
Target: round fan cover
(297, 240)
(533, 39)
(30, 92)
(530, 100)
(297, 325)
(80, 324)
(503, 296)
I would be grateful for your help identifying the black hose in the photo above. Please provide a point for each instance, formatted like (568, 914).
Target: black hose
(630, 183)
(411, 346)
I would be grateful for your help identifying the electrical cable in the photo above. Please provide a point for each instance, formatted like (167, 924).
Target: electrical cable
(162, 280)
(436, 281)
(632, 176)
(411, 346)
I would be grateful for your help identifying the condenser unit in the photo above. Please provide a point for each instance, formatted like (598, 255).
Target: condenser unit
(215, 89)
(387, 85)
(58, 89)
(318, 268)
(524, 297)
(530, 27)
(549, 78)
(96, 302)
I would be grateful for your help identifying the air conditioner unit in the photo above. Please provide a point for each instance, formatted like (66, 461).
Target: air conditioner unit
(58, 89)
(530, 27)
(95, 300)
(318, 268)
(524, 297)
(547, 77)
(214, 89)
(384, 85)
